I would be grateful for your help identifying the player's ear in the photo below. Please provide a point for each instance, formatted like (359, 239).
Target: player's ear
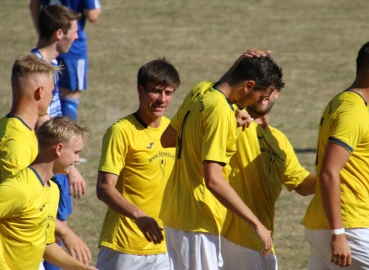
(59, 149)
(276, 93)
(58, 34)
(249, 84)
(140, 90)
(39, 93)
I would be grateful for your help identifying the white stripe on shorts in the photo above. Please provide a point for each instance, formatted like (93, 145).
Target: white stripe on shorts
(81, 73)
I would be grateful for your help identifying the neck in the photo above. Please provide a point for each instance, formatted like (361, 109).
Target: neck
(149, 120)
(44, 169)
(361, 86)
(25, 112)
(48, 50)
(261, 120)
(229, 90)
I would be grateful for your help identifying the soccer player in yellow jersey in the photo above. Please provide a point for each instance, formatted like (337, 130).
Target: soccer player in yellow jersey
(198, 193)
(133, 171)
(32, 82)
(337, 219)
(29, 200)
(263, 163)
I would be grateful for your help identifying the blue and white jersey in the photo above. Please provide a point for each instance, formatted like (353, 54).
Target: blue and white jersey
(79, 46)
(55, 106)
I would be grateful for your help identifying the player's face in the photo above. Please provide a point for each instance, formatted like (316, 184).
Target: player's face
(264, 105)
(47, 93)
(155, 99)
(252, 96)
(69, 156)
(67, 39)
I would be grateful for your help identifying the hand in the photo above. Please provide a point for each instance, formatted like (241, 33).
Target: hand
(341, 253)
(76, 247)
(77, 185)
(150, 229)
(243, 119)
(256, 53)
(265, 235)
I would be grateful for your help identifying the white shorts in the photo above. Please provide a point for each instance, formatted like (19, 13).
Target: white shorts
(109, 259)
(239, 257)
(192, 250)
(321, 252)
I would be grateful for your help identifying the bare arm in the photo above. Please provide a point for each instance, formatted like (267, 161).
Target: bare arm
(169, 137)
(307, 187)
(34, 6)
(335, 158)
(226, 195)
(57, 256)
(75, 245)
(92, 14)
(106, 192)
(249, 53)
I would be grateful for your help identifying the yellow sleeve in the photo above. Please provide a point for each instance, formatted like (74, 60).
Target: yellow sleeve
(294, 173)
(347, 129)
(16, 154)
(14, 196)
(216, 127)
(114, 150)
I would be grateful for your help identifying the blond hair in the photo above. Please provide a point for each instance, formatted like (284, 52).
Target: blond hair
(27, 64)
(60, 129)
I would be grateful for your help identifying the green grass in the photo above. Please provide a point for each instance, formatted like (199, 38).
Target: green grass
(314, 41)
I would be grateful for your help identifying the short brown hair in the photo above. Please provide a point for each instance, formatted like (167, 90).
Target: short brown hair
(159, 71)
(29, 63)
(59, 129)
(54, 17)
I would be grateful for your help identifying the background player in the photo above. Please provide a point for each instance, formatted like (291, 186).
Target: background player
(29, 200)
(263, 163)
(74, 75)
(58, 29)
(204, 130)
(133, 172)
(337, 219)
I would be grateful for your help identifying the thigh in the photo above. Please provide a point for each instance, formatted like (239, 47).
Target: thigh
(358, 240)
(74, 74)
(238, 257)
(162, 262)
(109, 259)
(193, 251)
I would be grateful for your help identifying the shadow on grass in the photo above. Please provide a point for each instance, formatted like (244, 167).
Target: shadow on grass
(305, 150)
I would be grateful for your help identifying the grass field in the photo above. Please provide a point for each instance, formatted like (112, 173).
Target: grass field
(314, 41)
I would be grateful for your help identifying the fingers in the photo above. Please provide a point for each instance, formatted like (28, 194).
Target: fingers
(342, 261)
(77, 189)
(256, 53)
(150, 229)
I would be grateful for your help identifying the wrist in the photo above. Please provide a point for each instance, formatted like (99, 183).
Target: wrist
(338, 231)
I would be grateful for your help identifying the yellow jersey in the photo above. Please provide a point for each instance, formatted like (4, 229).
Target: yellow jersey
(27, 219)
(18, 146)
(132, 150)
(206, 130)
(345, 121)
(264, 162)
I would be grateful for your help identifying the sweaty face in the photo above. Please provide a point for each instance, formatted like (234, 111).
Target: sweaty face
(251, 97)
(263, 105)
(67, 39)
(155, 99)
(69, 156)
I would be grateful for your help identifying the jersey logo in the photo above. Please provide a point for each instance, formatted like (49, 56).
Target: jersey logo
(260, 137)
(150, 145)
(42, 208)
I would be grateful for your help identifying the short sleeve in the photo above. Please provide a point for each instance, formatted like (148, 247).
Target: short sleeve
(91, 4)
(114, 150)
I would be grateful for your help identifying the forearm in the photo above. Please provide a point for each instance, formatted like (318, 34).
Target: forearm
(331, 198)
(34, 6)
(54, 254)
(112, 198)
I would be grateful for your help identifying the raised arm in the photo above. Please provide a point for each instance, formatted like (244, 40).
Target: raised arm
(106, 192)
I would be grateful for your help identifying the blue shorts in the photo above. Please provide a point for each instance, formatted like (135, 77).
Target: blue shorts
(65, 203)
(73, 74)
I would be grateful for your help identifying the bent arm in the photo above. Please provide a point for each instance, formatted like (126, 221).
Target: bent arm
(307, 187)
(169, 137)
(106, 192)
(92, 14)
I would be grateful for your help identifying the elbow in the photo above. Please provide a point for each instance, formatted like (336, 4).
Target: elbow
(211, 184)
(100, 192)
(93, 17)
